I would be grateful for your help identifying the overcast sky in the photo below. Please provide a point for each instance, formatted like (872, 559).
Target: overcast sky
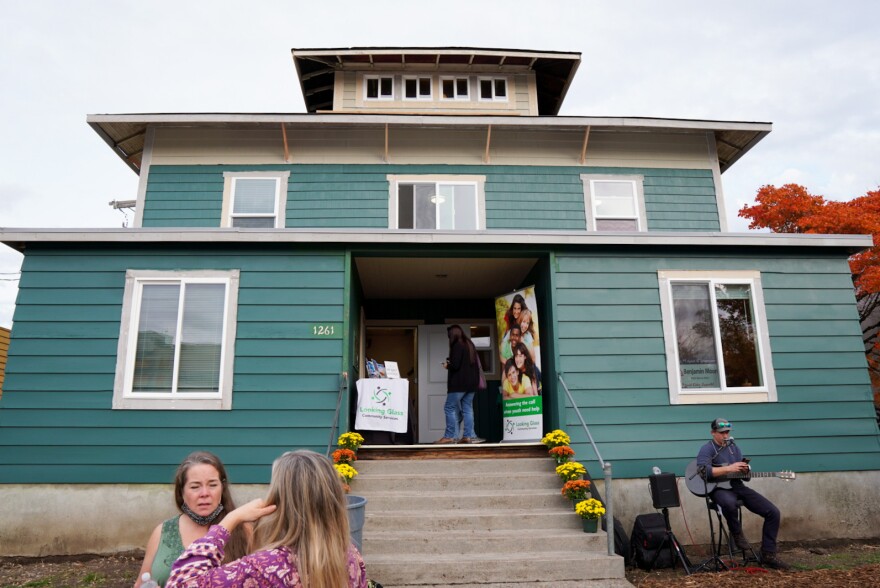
(810, 68)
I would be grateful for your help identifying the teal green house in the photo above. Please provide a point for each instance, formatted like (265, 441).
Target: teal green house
(271, 254)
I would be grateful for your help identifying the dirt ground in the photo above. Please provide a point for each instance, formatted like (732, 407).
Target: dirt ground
(825, 563)
(816, 563)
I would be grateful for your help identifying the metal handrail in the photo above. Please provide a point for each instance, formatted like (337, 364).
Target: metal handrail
(606, 469)
(343, 385)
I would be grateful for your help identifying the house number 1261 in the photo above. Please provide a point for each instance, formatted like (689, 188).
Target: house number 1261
(323, 330)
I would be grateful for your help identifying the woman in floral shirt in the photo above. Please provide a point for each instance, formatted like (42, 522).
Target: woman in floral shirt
(301, 539)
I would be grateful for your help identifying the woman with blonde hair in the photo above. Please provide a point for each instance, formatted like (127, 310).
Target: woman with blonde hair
(301, 539)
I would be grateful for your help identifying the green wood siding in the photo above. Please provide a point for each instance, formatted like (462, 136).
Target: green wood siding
(56, 422)
(611, 351)
(517, 197)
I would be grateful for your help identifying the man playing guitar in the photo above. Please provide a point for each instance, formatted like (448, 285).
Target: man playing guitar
(721, 457)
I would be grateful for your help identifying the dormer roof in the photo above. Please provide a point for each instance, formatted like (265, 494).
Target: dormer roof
(316, 68)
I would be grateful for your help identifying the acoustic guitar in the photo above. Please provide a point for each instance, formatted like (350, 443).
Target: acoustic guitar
(696, 485)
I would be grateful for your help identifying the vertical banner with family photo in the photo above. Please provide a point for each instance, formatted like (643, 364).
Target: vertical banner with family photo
(519, 350)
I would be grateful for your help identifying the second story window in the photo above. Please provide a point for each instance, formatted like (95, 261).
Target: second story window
(254, 200)
(417, 88)
(454, 89)
(379, 87)
(444, 203)
(493, 89)
(614, 203)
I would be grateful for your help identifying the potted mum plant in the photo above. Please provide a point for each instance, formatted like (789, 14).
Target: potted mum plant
(590, 510)
(562, 453)
(576, 490)
(556, 438)
(571, 470)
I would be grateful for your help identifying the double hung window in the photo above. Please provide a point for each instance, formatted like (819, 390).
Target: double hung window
(175, 350)
(452, 204)
(716, 330)
(254, 200)
(614, 203)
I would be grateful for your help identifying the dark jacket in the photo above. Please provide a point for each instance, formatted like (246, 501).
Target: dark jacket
(461, 375)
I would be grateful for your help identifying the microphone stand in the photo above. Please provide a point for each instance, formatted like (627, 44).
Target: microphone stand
(716, 561)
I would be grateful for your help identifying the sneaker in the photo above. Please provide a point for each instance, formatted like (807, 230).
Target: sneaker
(770, 560)
(739, 539)
(472, 440)
(444, 441)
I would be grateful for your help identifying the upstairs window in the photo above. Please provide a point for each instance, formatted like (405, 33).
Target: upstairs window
(614, 203)
(379, 87)
(493, 89)
(176, 346)
(254, 200)
(715, 325)
(417, 88)
(454, 89)
(441, 203)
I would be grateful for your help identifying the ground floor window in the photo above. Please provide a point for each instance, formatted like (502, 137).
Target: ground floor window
(716, 337)
(175, 349)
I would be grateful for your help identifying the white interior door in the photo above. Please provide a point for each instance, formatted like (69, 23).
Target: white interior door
(433, 348)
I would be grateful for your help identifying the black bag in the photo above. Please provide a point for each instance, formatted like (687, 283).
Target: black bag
(647, 536)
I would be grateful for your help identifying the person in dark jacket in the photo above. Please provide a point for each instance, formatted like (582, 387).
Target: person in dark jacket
(462, 381)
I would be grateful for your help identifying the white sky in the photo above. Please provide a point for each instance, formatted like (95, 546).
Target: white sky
(811, 68)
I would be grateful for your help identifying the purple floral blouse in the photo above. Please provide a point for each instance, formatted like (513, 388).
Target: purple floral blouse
(199, 567)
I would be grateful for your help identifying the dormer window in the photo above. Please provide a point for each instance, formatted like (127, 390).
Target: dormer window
(379, 87)
(417, 88)
(454, 89)
(494, 89)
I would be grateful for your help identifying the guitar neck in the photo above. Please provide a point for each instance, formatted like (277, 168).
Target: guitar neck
(753, 475)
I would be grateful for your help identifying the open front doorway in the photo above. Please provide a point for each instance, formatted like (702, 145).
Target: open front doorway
(407, 304)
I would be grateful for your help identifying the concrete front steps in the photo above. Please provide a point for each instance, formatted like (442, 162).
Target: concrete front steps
(460, 521)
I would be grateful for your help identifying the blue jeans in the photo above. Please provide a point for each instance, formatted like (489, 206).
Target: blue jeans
(756, 503)
(459, 404)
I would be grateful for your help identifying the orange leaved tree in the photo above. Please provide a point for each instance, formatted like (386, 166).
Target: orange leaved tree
(792, 209)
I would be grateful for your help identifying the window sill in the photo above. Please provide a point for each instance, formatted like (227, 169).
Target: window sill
(168, 404)
(722, 398)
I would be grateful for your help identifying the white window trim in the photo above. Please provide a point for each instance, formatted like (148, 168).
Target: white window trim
(494, 98)
(638, 182)
(456, 96)
(419, 97)
(394, 180)
(379, 77)
(123, 398)
(281, 178)
(765, 393)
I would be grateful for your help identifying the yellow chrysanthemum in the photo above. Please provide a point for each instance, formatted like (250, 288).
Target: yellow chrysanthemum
(556, 438)
(346, 472)
(589, 509)
(571, 470)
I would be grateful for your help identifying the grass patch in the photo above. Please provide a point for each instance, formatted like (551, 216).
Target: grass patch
(92, 579)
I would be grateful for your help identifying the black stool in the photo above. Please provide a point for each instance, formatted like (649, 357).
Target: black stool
(748, 555)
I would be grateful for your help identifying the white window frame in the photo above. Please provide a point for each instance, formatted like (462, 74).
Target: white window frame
(637, 182)
(393, 201)
(764, 393)
(381, 97)
(456, 96)
(419, 96)
(494, 98)
(123, 397)
(229, 180)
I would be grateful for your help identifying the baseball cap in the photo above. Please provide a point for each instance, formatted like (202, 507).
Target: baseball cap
(721, 425)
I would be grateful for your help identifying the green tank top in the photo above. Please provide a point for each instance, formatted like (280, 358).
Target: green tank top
(170, 548)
